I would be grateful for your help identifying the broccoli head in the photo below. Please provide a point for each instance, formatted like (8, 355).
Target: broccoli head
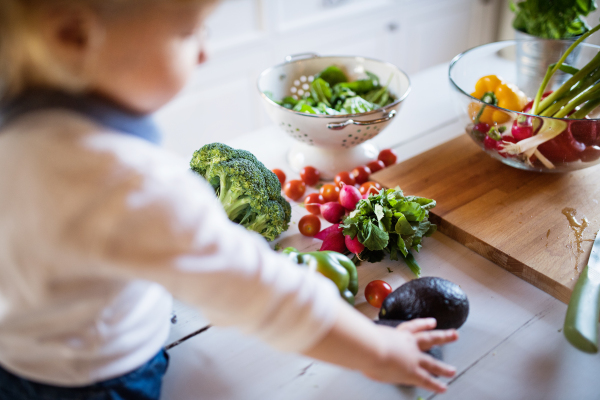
(249, 192)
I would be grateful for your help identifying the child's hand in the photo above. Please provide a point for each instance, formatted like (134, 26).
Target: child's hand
(394, 355)
(404, 361)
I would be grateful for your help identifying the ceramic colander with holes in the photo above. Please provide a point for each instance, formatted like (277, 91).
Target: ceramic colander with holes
(330, 143)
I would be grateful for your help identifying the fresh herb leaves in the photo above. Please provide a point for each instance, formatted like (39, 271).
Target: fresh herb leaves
(556, 19)
(390, 223)
(331, 93)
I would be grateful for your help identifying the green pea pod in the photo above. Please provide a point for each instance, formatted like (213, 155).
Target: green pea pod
(333, 265)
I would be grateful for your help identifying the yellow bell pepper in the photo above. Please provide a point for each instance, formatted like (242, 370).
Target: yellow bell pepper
(507, 95)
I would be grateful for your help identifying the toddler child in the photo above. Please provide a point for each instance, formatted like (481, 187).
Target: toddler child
(98, 225)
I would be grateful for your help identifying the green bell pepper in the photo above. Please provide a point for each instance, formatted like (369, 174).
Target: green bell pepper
(333, 265)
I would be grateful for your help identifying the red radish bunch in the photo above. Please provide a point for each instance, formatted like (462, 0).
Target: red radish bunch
(333, 212)
(333, 239)
(353, 245)
(349, 196)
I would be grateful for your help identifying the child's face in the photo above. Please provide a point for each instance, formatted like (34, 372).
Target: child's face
(146, 57)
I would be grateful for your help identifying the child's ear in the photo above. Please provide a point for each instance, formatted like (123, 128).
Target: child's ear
(72, 32)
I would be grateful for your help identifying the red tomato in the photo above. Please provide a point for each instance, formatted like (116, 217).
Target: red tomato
(388, 156)
(591, 153)
(294, 189)
(585, 131)
(361, 174)
(310, 175)
(563, 148)
(529, 106)
(314, 198)
(330, 192)
(376, 165)
(376, 292)
(370, 188)
(280, 175)
(344, 177)
(309, 225)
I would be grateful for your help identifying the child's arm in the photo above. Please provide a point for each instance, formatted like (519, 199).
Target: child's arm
(158, 222)
(386, 354)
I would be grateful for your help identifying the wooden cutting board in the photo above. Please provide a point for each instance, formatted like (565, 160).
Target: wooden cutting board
(512, 217)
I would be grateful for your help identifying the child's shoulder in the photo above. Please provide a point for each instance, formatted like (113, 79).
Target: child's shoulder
(58, 147)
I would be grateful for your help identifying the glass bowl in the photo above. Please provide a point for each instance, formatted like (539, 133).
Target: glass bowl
(577, 146)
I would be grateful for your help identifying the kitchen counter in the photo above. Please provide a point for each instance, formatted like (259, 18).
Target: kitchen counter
(511, 346)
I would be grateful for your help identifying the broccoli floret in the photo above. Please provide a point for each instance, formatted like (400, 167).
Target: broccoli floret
(267, 224)
(250, 193)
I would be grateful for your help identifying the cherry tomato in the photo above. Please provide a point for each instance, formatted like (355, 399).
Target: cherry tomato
(482, 127)
(563, 148)
(361, 174)
(585, 131)
(370, 188)
(294, 189)
(330, 192)
(310, 175)
(309, 225)
(376, 292)
(314, 198)
(529, 106)
(388, 156)
(591, 153)
(344, 177)
(376, 165)
(280, 175)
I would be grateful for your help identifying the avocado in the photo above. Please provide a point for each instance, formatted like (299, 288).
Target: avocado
(425, 298)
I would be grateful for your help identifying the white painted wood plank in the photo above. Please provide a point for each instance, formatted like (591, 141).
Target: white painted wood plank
(535, 362)
(226, 364)
(187, 320)
(510, 320)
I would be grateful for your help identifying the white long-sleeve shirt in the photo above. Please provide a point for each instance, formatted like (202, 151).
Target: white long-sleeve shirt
(97, 227)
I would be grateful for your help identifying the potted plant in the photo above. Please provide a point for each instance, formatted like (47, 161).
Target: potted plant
(547, 28)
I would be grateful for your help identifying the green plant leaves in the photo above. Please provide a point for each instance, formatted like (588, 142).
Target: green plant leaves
(557, 19)
(332, 75)
(320, 91)
(332, 94)
(390, 222)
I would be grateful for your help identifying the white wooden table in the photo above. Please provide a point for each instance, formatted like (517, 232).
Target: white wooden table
(511, 346)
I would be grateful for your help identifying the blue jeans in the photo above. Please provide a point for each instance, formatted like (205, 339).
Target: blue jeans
(142, 384)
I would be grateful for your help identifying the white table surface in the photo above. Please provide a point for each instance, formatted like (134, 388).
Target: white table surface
(511, 346)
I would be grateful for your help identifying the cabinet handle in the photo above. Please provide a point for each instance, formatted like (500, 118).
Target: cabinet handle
(300, 56)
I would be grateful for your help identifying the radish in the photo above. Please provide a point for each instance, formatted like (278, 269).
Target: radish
(333, 239)
(325, 233)
(334, 242)
(333, 212)
(354, 245)
(349, 196)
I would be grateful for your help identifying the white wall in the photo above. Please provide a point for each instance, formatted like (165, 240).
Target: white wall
(248, 36)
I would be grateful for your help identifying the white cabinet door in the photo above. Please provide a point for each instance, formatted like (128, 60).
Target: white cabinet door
(436, 31)
(220, 103)
(250, 35)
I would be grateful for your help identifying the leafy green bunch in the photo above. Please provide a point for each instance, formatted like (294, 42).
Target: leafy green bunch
(552, 19)
(331, 93)
(390, 223)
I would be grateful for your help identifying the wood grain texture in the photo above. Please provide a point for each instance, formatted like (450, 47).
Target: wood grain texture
(512, 217)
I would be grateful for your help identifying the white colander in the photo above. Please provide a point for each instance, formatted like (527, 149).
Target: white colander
(330, 143)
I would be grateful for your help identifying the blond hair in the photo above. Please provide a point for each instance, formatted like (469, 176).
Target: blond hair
(25, 59)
